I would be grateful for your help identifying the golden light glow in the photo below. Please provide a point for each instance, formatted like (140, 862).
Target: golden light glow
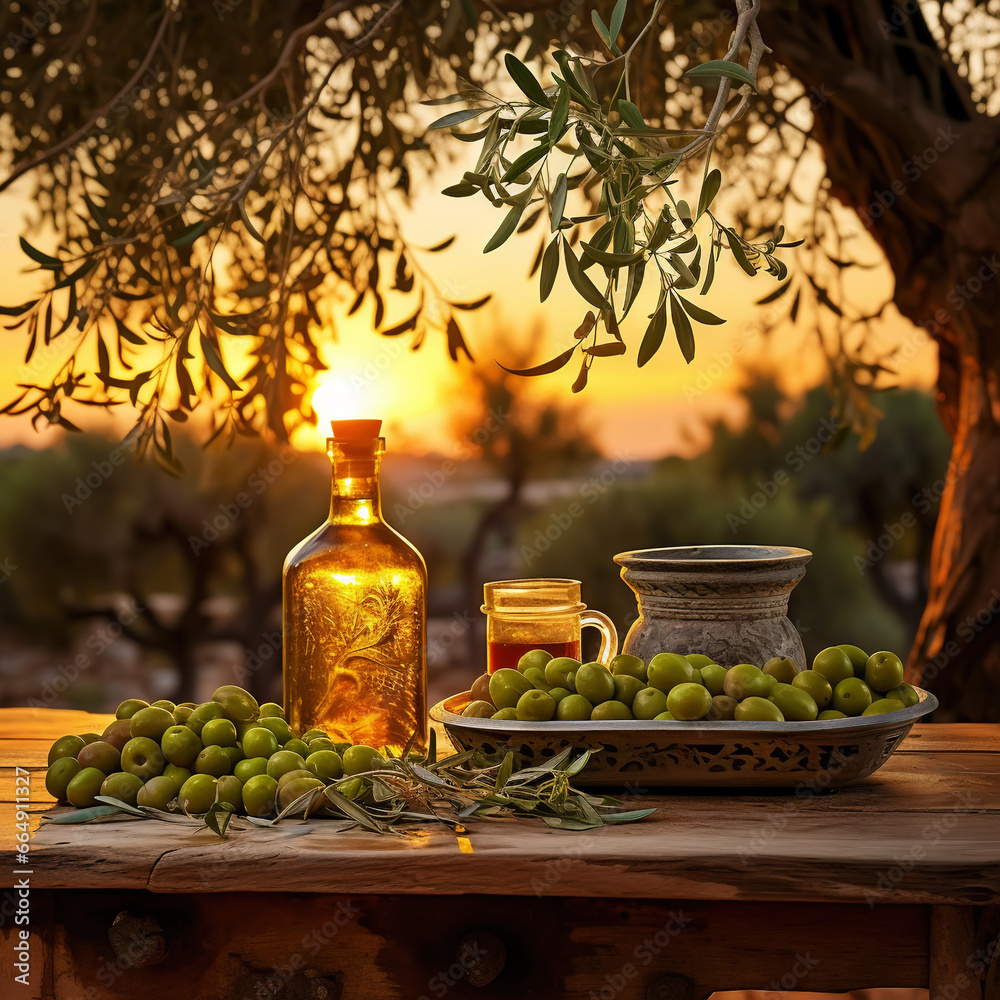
(336, 397)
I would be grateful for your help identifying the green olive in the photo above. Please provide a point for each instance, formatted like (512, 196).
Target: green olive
(816, 686)
(713, 677)
(230, 789)
(84, 786)
(852, 696)
(746, 681)
(884, 705)
(283, 761)
(249, 768)
(295, 790)
(271, 710)
(834, 664)
(755, 709)
(796, 705)
(129, 707)
(699, 660)
(157, 793)
(595, 682)
(507, 686)
(829, 713)
(625, 664)
(151, 723)
(687, 702)
(60, 773)
(857, 656)
(325, 764)
(627, 687)
(182, 713)
(560, 671)
(197, 794)
(667, 670)
(207, 710)
(282, 731)
(575, 708)
(664, 717)
(237, 704)
(143, 757)
(65, 746)
(537, 678)
(723, 708)
(259, 742)
(505, 715)
(298, 746)
(361, 758)
(534, 659)
(123, 786)
(610, 711)
(219, 733)
(905, 693)
(557, 694)
(781, 668)
(648, 703)
(535, 706)
(180, 745)
(177, 774)
(479, 710)
(883, 671)
(118, 733)
(315, 734)
(164, 703)
(259, 793)
(212, 760)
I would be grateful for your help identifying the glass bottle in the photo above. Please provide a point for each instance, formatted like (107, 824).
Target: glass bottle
(354, 611)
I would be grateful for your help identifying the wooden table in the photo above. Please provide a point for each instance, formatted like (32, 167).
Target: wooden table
(893, 882)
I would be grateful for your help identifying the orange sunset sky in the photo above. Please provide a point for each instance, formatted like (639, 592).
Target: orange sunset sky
(649, 412)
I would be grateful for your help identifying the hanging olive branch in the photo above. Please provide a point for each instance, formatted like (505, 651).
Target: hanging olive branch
(639, 227)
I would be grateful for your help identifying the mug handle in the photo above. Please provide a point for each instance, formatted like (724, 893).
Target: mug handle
(609, 635)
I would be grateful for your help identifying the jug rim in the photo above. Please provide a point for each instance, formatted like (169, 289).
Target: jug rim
(700, 556)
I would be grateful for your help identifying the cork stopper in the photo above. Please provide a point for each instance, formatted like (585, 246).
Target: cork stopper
(355, 430)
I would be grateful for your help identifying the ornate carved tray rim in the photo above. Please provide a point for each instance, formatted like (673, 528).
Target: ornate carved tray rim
(826, 754)
(861, 724)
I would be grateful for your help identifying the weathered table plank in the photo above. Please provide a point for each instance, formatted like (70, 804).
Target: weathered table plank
(924, 829)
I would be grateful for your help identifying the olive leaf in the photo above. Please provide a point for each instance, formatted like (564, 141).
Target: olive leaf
(682, 329)
(654, 333)
(723, 68)
(524, 78)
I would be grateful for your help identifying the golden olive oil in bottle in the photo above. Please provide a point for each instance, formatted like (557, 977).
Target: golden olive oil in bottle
(354, 611)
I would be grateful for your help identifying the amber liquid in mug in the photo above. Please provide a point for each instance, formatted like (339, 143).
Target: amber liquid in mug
(506, 654)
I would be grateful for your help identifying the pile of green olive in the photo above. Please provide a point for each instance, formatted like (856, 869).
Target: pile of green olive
(188, 757)
(844, 681)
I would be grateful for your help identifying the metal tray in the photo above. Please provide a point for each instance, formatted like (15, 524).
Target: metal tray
(806, 755)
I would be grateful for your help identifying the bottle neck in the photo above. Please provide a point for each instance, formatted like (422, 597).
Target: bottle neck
(355, 495)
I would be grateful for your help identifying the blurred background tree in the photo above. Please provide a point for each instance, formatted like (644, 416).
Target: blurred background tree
(205, 198)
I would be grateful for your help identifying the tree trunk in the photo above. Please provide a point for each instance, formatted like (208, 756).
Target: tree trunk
(906, 147)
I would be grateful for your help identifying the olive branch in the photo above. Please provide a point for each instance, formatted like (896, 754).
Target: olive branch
(588, 118)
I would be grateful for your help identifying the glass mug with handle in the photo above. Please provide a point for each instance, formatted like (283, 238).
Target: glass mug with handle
(539, 614)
